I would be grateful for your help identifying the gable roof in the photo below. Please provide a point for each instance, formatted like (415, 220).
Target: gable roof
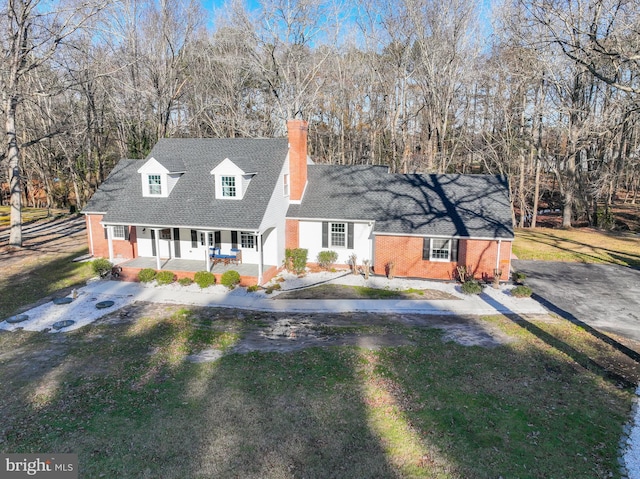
(192, 202)
(475, 206)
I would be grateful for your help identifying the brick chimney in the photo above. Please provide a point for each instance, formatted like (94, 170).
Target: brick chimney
(297, 133)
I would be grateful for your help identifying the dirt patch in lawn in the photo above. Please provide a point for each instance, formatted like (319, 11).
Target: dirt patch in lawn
(341, 291)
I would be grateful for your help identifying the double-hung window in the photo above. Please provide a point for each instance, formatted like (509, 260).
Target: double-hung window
(155, 185)
(247, 240)
(338, 236)
(228, 186)
(118, 232)
(440, 249)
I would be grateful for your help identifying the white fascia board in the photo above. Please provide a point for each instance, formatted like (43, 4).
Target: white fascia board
(228, 167)
(483, 238)
(152, 166)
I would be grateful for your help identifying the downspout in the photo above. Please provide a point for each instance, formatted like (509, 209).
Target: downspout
(498, 255)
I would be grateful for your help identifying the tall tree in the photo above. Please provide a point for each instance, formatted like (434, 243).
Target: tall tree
(35, 31)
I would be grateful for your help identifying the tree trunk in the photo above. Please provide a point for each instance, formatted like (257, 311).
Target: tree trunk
(13, 154)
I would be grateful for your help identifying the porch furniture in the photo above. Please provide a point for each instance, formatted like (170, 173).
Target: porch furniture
(218, 257)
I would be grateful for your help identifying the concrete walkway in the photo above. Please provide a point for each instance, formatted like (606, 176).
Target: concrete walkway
(83, 309)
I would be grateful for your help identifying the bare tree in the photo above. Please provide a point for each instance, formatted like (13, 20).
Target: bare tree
(34, 33)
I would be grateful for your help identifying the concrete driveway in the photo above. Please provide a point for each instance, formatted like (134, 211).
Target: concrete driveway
(605, 297)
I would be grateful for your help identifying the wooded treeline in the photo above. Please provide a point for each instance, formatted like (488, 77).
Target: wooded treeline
(551, 98)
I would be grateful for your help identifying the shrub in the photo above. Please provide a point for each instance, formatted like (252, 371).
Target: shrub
(204, 279)
(101, 266)
(185, 281)
(230, 278)
(165, 277)
(147, 275)
(326, 259)
(252, 289)
(273, 287)
(521, 291)
(296, 259)
(471, 287)
(518, 277)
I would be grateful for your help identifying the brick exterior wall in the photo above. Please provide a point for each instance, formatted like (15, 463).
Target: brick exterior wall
(406, 253)
(122, 249)
(292, 234)
(297, 134)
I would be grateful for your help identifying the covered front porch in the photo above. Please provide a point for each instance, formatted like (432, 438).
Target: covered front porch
(249, 272)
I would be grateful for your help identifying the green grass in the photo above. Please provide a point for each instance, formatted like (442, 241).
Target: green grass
(39, 278)
(577, 245)
(341, 291)
(28, 214)
(125, 399)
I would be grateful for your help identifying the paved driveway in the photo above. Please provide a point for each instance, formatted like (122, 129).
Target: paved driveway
(605, 297)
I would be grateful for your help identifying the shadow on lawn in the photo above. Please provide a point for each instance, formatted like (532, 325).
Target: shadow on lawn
(121, 395)
(581, 358)
(128, 403)
(622, 258)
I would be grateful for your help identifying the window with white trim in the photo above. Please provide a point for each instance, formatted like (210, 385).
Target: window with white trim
(118, 232)
(165, 234)
(338, 235)
(440, 249)
(228, 186)
(286, 185)
(247, 240)
(155, 185)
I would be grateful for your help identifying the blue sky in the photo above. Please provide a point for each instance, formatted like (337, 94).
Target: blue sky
(485, 9)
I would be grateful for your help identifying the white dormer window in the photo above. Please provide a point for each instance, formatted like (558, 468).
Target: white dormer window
(158, 181)
(228, 184)
(155, 185)
(230, 181)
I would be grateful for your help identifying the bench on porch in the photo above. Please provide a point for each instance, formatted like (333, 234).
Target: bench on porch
(235, 257)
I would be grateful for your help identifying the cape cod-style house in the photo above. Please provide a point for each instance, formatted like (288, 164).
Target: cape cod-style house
(247, 200)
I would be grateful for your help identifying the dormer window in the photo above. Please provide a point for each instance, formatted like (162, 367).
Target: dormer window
(157, 179)
(228, 184)
(230, 181)
(155, 185)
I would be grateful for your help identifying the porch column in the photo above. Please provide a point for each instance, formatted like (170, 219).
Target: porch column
(88, 218)
(207, 260)
(157, 241)
(110, 242)
(261, 258)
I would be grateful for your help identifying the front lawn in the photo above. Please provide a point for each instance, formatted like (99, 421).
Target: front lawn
(122, 395)
(578, 245)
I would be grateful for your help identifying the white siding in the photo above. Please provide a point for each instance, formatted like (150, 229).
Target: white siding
(311, 239)
(274, 217)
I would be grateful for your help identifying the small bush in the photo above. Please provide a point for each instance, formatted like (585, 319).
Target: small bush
(273, 287)
(165, 277)
(146, 275)
(252, 289)
(204, 279)
(326, 259)
(230, 278)
(101, 266)
(471, 287)
(185, 281)
(521, 291)
(518, 277)
(296, 259)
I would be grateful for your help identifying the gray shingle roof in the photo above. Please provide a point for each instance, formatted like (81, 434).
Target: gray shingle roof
(192, 202)
(474, 206)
